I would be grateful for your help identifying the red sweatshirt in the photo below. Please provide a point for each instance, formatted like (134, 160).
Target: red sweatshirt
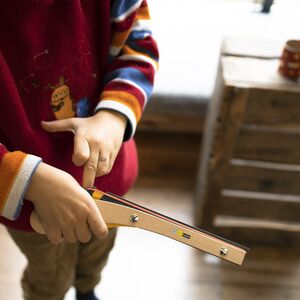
(62, 59)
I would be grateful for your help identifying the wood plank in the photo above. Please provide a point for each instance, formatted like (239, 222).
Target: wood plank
(256, 48)
(263, 177)
(216, 109)
(256, 223)
(221, 128)
(263, 206)
(243, 72)
(273, 107)
(270, 132)
(268, 144)
(257, 232)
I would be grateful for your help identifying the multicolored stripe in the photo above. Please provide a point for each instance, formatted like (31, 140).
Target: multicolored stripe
(16, 169)
(133, 62)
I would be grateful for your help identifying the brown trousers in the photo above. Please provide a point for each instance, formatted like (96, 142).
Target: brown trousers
(53, 269)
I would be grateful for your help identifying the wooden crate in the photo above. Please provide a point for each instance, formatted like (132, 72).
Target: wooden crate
(248, 185)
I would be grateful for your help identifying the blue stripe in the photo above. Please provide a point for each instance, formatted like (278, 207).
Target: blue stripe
(138, 34)
(119, 7)
(133, 75)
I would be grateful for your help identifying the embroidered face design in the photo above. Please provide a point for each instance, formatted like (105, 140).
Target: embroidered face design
(61, 101)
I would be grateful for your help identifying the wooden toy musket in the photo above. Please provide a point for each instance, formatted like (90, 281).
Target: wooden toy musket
(117, 211)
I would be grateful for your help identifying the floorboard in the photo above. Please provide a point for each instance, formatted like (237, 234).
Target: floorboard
(147, 266)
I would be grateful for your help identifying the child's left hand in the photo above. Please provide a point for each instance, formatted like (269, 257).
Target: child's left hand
(97, 141)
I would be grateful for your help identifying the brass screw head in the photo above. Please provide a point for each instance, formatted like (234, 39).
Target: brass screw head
(134, 218)
(223, 251)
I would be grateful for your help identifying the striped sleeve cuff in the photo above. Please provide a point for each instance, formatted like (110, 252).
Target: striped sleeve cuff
(125, 111)
(16, 170)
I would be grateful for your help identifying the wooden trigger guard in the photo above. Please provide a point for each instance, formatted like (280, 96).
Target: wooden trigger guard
(117, 211)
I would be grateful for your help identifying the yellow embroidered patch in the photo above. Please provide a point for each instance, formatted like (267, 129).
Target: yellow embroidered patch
(61, 101)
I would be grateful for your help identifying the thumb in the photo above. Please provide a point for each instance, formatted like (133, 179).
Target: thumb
(59, 125)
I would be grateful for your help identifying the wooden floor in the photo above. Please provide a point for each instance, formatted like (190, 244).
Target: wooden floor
(145, 266)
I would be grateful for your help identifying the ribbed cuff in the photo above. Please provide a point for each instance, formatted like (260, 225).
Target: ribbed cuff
(125, 111)
(18, 188)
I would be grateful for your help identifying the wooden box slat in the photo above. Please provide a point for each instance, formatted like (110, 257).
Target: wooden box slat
(273, 107)
(268, 144)
(251, 147)
(244, 222)
(263, 177)
(257, 232)
(249, 73)
(245, 47)
(257, 205)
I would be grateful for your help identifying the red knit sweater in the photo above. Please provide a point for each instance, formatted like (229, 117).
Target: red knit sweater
(54, 56)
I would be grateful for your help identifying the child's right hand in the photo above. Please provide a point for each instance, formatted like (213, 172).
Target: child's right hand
(66, 210)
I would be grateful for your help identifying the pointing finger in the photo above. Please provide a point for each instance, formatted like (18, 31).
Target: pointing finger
(103, 164)
(90, 169)
(59, 125)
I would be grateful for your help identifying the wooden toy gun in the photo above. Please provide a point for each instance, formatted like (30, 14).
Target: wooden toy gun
(117, 211)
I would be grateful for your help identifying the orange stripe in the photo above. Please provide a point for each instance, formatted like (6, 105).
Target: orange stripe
(126, 99)
(9, 168)
(143, 14)
(119, 38)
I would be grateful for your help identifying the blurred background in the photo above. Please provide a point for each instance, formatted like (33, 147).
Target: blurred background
(190, 34)
(218, 148)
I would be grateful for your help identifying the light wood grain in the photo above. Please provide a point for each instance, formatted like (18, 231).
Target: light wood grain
(255, 48)
(116, 215)
(248, 73)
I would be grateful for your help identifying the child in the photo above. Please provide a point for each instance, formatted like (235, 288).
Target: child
(74, 79)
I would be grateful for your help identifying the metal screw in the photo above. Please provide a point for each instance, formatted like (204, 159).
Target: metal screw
(223, 251)
(134, 218)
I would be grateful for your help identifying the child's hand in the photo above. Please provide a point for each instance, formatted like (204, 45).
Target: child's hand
(97, 141)
(66, 210)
